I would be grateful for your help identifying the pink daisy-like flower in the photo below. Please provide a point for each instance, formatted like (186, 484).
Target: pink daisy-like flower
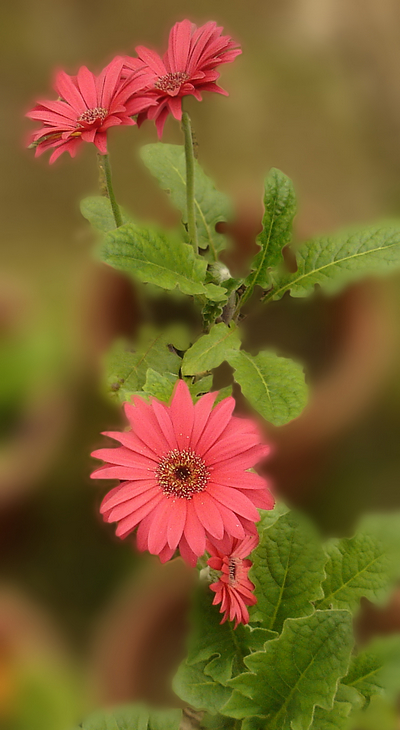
(88, 106)
(183, 471)
(187, 68)
(234, 589)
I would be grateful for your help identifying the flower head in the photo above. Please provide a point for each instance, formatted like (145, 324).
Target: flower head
(187, 68)
(234, 589)
(183, 471)
(87, 107)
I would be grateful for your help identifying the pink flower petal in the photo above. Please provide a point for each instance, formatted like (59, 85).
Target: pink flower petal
(176, 522)
(194, 531)
(187, 553)
(152, 59)
(234, 500)
(179, 44)
(129, 523)
(202, 412)
(182, 414)
(68, 91)
(157, 538)
(209, 515)
(87, 87)
(217, 422)
(123, 492)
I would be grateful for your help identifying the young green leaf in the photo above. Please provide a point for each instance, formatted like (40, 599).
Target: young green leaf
(288, 569)
(210, 350)
(199, 689)
(159, 386)
(280, 209)
(332, 261)
(376, 669)
(167, 163)
(273, 385)
(133, 716)
(364, 565)
(295, 672)
(158, 258)
(127, 364)
(97, 210)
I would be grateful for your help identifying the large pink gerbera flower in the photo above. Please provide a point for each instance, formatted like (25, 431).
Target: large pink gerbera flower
(234, 589)
(88, 106)
(183, 471)
(187, 68)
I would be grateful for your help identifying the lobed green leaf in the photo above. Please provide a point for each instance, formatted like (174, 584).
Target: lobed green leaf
(336, 260)
(97, 210)
(210, 350)
(376, 669)
(192, 685)
(280, 209)
(295, 672)
(364, 565)
(273, 385)
(288, 569)
(158, 258)
(167, 163)
(127, 364)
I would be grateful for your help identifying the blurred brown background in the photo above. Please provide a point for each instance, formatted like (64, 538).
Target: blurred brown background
(315, 93)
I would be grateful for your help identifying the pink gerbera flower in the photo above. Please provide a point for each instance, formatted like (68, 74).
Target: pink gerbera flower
(234, 589)
(187, 68)
(88, 106)
(183, 471)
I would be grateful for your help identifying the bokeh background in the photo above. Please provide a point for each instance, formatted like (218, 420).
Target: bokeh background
(315, 93)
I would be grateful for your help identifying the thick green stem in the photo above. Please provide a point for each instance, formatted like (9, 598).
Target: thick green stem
(106, 187)
(189, 157)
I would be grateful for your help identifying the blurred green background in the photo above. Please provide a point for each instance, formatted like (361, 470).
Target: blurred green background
(315, 93)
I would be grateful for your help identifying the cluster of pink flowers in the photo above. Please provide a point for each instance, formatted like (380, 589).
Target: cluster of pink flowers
(146, 87)
(185, 485)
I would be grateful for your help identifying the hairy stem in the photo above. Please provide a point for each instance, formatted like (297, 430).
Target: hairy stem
(106, 187)
(189, 157)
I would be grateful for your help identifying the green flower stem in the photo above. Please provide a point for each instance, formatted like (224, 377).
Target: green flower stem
(106, 187)
(189, 157)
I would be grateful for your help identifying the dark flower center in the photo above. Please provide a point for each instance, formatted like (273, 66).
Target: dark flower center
(233, 566)
(172, 81)
(182, 474)
(92, 117)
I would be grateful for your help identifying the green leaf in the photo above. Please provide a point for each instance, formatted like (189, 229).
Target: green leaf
(199, 387)
(295, 672)
(210, 350)
(364, 565)
(198, 689)
(376, 669)
(217, 722)
(273, 385)
(228, 646)
(288, 569)
(167, 163)
(159, 258)
(280, 209)
(333, 261)
(127, 364)
(97, 210)
(347, 702)
(378, 715)
(159, 386)
(133, 717)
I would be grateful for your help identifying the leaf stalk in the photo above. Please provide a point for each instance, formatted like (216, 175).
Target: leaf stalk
(189, 158)
(106, 186)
